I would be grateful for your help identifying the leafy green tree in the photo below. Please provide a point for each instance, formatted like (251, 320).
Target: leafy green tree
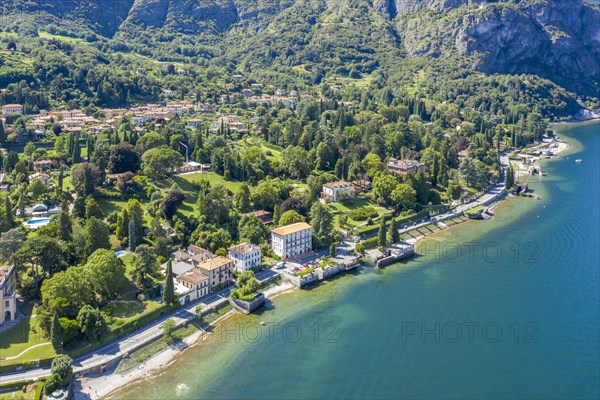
(383, 186)
(403, 196)
(97, 235)
(10, 243)
(149, 141)
(62, 366)
(242, 200)
(321, 221)
(79, 207)
(67, 292)
(168, 327)
(65, 225)
(253, 230)
(85, 178)
(92, 323)
(265, 195)
(106, 273)
(473, 173)
(70, 330)
(41, 252)
(169, 289)
(37, 188)
(123, 158)
(171, 202)
(214, 202)
(453, 191)
(161, 162)
(144, 263)
(290, 217)
(122, 230)
(92, 209)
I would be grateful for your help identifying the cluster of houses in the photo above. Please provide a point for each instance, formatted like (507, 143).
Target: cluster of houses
(198, 272)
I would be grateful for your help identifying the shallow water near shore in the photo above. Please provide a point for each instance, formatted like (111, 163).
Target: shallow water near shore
(505, 308)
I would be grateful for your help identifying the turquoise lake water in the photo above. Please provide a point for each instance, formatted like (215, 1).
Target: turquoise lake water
(507, 308)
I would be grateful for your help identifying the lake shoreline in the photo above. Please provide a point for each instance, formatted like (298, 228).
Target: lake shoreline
(107, 384)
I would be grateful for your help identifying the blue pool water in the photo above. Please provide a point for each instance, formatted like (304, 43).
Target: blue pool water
(38, 221)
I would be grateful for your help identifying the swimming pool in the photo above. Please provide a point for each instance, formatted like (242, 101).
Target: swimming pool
(122, 253)
(37, 222)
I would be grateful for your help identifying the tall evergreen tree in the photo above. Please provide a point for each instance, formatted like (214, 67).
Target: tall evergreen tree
(2, 133)
(381, 241)
(56, 333)
(60, 179)
(122, 225)
(10, 218)
(76, 154)
(276, 215)
(132, 235)
(392, 234)
(65, 226)
(169, 290)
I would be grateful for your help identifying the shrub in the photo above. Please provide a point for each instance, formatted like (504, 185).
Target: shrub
(54, 382)
(363, 213)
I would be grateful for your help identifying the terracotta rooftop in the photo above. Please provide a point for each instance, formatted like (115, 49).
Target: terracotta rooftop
(214, 263)
(293, 228)
(337, 185)
(193, 276)
(243, 248)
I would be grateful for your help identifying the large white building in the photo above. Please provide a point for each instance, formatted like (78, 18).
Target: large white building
(292, 240)
(192, 285)
(245, 256)
(338, 191)
(8, 301)
(10, 109)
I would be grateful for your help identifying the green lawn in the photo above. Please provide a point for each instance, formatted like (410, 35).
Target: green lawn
(68, 39)
(23, 335)
(212, 177)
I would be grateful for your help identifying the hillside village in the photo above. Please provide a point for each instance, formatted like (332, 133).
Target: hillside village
(178, 202)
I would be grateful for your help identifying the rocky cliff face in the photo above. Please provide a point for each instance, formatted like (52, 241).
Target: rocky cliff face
(556, 39)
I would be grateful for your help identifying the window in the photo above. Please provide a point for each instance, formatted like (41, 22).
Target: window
(6, 303)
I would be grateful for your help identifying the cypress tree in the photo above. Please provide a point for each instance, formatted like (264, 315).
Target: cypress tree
(392, 234)
(332, 250)
(132, 234)
(382, 233)
(169, 290)
(56, 333)
(60, 179)
(2, 133)
(276, 215)
(10, 219)
(122, 225)
(76, 154)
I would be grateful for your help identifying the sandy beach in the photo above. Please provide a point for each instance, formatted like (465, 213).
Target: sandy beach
(99, 386)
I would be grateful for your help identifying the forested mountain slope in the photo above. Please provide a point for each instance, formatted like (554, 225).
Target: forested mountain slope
(309, 40)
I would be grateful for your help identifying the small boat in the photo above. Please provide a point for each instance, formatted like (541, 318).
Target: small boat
(263, 323)
(579, 160)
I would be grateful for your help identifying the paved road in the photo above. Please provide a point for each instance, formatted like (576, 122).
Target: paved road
(130, 342)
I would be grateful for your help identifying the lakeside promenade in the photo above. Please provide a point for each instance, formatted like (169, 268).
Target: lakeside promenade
(134, 340)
